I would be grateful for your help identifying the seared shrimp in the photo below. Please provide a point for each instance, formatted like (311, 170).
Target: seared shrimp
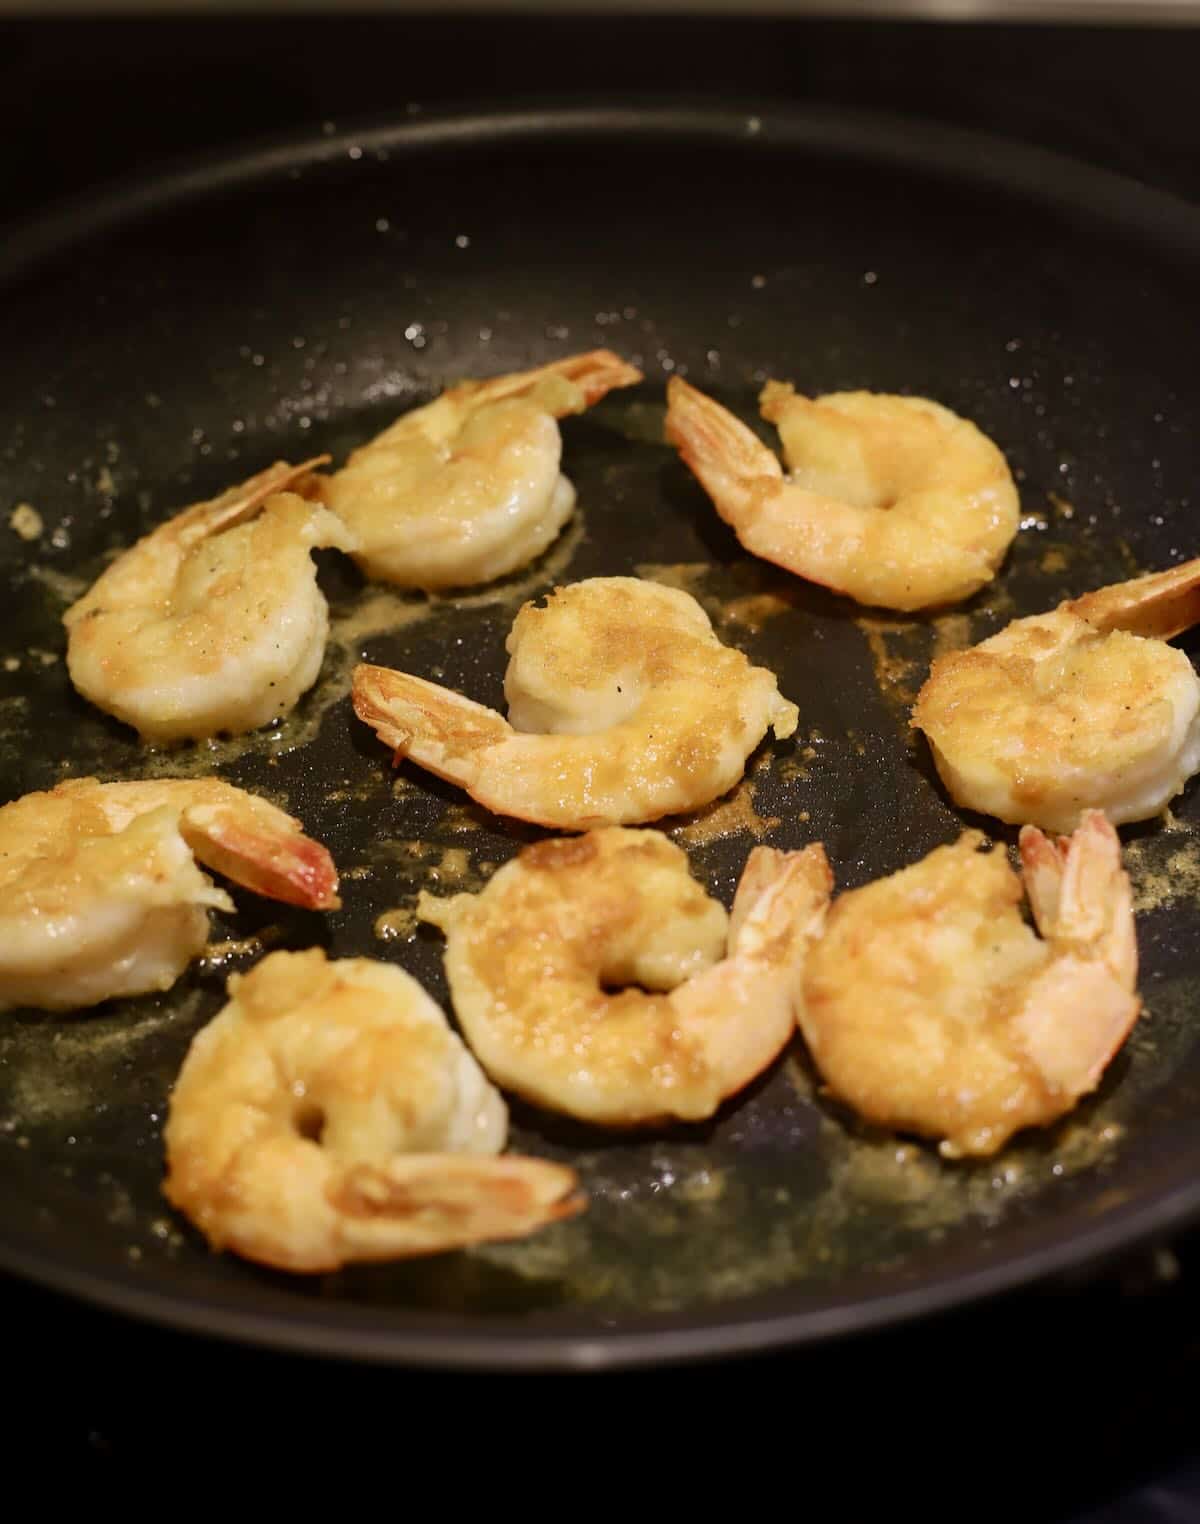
(328, 1114)
(639, 711)
(213, 621)
(537, 960)
(468, 488)
(894, 501)
(100, 894)
(929, 1006)
(1082, 708)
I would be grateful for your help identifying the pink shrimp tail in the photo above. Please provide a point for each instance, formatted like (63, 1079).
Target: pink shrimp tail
(282, 864)
(726, 457)
(1083, 1005)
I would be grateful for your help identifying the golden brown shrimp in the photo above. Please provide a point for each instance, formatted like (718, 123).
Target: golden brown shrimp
(100, 894)
(328, 1114)
(894, 501)
(929, 1006)
(623, 706)
(536, 960)
(468, 488)
(1085, 707)
(213, 621)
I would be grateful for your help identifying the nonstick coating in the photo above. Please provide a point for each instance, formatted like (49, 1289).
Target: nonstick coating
(179, 334)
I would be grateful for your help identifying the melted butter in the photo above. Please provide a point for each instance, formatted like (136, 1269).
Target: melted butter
(453, 869)
(57, 1070)
(432, 867)
(951, 632)
(687, 576)
(746, 612)
(396, 925)
(64, 588)
(754, 610)
(638, 421)
(25, 521)
(732, 815)
(461, 819)
(898, 669)
(1163, 869)
(219, 956)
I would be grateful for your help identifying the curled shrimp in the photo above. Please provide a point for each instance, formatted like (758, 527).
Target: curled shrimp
(535, 962)
(213, 621)
(1085, 707)
(623, 706)
(929, 1006)
(468, 488)
(328, 1114)
(895, 501)
(100, 895)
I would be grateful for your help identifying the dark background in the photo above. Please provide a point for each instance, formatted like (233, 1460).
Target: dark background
(1072, 1402)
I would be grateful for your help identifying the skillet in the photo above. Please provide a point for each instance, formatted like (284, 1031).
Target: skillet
(182, 331)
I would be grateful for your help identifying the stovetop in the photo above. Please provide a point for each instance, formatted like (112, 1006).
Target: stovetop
(1070, 1402)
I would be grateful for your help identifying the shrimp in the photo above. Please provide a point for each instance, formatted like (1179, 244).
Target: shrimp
(329, 1114)
(1085, 707)
(895, 501)
(537, 961)
(213, 621)
(468, 488)
(929, 1006)
(100, 895)
(631, 709)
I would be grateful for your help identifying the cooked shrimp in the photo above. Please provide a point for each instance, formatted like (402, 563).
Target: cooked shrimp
(894, 501)
(1082, 708)
(213, 621)
(929, 1006)
(537, 960)
(639, 711)
(328, 1114)
(468, 488)
(100, 894)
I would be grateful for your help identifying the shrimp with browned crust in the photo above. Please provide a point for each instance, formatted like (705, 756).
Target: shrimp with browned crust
(328, 1114)
(469, 487)
(101, 895)
(213, 622)
(894, 501)
(623, 706)
(931, 1007)
(594, 976)
(1086, 707)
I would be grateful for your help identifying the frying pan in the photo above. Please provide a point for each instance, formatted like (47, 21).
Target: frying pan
(180, 332)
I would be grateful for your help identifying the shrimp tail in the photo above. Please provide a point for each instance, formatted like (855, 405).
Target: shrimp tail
(564, 386)
(1159, 606)
(447, 1201)
(243, 501)
(275, 859)
(439, 729)
(781, 895)
(1079, 892)
(731, 463)
(596, 373)
(1083, 1006)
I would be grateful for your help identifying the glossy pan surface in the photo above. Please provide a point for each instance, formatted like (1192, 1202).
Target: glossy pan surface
(177, 334)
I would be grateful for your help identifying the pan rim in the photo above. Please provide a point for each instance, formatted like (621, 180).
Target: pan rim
(1044, 175)
(745, 1326)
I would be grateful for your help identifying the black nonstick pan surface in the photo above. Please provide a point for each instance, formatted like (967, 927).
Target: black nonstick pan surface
(184, 331)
